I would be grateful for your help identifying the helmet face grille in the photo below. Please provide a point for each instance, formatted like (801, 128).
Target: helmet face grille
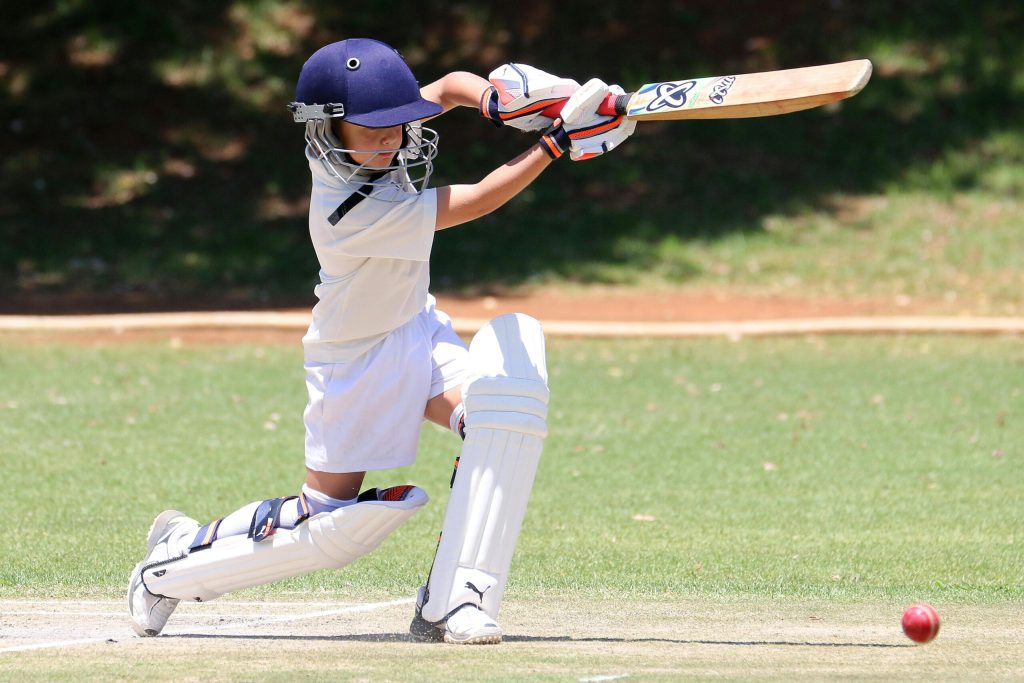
(409, 170)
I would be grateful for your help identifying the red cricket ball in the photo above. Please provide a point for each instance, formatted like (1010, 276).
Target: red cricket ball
(921, 622)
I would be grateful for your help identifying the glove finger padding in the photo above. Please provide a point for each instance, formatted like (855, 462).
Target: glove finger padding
(591, 134)
(582, 106)
(522, 92)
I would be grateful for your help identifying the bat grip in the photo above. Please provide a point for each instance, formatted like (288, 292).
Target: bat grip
(613, 105)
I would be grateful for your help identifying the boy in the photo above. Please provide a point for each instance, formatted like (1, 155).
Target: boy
(380, 358)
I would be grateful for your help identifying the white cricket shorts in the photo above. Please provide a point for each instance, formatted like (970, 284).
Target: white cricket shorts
(366, 414)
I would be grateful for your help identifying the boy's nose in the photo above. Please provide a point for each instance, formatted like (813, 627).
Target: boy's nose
(391, 138)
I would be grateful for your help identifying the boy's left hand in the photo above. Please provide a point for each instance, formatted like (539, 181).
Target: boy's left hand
(520, 94)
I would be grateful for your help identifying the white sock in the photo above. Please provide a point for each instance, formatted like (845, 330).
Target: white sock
(321, 502)
(239, 521)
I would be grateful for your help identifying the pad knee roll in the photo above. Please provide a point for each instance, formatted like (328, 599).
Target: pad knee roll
(507, 403)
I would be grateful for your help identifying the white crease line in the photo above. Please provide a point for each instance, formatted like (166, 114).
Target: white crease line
(352, 609)
(64, 604)
(123, 614)
(594, 679)
(59, 643)
(59, 603)
(62, 613)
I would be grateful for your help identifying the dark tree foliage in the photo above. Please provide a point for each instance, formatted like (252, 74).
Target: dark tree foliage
(146, 150)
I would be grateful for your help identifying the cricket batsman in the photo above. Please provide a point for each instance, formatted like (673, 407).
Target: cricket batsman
(380, 358)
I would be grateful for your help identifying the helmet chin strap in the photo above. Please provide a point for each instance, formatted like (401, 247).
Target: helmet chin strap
(353, 199)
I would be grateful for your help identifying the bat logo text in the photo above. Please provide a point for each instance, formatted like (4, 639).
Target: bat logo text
(671, 95)
(720, 89)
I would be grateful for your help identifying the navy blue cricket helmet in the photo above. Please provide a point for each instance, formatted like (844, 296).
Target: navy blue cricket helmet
(367, 83)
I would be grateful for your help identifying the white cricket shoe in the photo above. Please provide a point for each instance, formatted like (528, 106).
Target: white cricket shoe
(168, 537)
(468, 625)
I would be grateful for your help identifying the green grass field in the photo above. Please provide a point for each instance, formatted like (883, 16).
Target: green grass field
(704, 509)
(868, 472)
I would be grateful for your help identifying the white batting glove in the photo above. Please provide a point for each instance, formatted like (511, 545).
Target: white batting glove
(583, 132)
(519, 94)
(592, 134)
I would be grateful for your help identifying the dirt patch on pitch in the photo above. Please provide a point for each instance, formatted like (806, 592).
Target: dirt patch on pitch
(556, 639)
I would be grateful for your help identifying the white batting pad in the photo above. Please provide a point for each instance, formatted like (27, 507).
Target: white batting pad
(506, 421)
(328, 540)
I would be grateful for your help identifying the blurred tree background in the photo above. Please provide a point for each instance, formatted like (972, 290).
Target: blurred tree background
(147, 156)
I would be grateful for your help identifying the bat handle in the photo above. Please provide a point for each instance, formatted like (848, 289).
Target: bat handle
(613, 105)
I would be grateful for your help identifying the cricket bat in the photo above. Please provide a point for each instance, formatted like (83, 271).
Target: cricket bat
(767, 93)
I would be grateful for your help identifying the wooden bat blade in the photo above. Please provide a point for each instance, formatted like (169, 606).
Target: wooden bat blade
(767, 93)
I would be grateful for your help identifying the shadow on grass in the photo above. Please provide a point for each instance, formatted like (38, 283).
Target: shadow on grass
(406, 638)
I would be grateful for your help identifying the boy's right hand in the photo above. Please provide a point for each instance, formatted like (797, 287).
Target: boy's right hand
(520, 94)
(583, 132)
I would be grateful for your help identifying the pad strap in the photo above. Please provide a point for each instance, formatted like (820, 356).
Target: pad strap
(327, 540)
(206, 536)
(267, 518)
(303, 509)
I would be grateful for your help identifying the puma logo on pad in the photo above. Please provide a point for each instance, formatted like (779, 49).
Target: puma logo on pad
(476, 590)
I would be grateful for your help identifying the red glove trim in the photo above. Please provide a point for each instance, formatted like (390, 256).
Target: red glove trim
(530, 109)
(583, 133)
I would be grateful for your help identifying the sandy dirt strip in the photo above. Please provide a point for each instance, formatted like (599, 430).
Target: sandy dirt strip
(592, 312)
(297, 321)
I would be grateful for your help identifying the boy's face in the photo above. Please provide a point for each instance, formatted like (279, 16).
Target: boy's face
(355, 137)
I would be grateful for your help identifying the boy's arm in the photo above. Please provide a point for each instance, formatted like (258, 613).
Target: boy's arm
(516, 95)
(584, 132)
(462, 203)
(458, 204)
(457, 89)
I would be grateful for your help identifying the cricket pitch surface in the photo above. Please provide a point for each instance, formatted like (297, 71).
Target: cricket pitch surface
(556, 639)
